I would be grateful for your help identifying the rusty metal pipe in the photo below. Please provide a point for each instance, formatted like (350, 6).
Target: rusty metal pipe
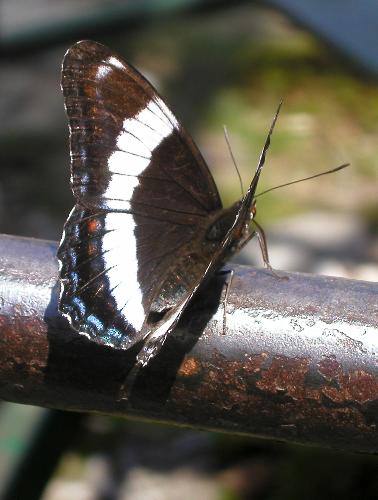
(298, 362)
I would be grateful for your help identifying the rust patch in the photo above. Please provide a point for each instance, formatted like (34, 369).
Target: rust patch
(228, 391)
(221, 383)
(285, 375)
(329, 368)
(189, 367)
(22, 348)
(255, 362)
(363, 386)
(357, 386)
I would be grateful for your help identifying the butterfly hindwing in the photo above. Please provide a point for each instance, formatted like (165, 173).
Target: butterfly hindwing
(93, 294)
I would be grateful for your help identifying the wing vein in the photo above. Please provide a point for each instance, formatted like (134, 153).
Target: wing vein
(89, 282)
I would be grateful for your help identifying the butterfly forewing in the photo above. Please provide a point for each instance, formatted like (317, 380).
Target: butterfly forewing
(120, 127)
(143, 196)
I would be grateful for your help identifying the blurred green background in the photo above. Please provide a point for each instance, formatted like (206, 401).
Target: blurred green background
(215, 65)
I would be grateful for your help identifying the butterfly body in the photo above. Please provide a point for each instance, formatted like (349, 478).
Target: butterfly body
(148, 227)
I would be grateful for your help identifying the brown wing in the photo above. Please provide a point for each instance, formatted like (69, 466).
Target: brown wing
(142, 191)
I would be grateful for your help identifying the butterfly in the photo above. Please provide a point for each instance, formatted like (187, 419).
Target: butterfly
(148, 226)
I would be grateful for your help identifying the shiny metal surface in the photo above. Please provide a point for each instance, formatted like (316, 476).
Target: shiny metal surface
(298, 362)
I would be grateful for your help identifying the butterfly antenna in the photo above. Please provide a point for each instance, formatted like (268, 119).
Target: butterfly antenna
(267, 142)
(226, 136)
(344, 165)
(255, 180)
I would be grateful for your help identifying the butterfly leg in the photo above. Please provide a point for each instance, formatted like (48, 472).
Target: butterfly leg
(222, 272)
(228, 287)
(261, 238)
(242, 243)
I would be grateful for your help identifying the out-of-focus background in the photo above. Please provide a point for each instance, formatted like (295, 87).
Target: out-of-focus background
(216, 63)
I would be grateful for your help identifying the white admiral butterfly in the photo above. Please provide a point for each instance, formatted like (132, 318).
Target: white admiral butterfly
(148, 226)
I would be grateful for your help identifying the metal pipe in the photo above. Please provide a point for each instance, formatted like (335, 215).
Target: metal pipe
(298, 360)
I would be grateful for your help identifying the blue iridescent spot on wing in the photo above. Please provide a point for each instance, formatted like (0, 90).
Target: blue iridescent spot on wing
(114, 336)
(95, 323)
(78, 307)
(74, 279)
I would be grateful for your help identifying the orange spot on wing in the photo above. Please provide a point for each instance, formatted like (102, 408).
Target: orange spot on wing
(92, 226)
